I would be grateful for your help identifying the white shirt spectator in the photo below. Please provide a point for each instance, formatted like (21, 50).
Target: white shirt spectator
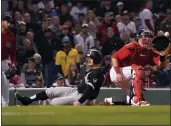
(41, 5)
(75, 11)
(146, 14)
(129, 27)
(86, 43)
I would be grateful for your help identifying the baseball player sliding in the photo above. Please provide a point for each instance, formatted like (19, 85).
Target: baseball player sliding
(128, 67)
(87, 90)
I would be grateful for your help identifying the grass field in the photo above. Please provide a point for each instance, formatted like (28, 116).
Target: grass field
(94, 115)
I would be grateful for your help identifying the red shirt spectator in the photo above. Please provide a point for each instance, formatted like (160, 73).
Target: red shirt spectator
(8, 44)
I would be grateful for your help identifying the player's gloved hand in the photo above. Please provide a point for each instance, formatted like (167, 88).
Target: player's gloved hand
(77, 103)
(119, 77)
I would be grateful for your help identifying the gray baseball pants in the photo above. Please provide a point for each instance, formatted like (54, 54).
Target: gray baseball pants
(63, 95)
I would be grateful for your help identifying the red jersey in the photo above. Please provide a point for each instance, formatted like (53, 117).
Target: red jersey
(133, 53)
(8, 47)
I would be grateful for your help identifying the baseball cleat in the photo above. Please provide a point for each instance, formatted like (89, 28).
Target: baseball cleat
(24, 100)
(108, 101)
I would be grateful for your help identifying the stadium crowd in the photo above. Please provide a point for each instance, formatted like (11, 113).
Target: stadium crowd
(51, 37)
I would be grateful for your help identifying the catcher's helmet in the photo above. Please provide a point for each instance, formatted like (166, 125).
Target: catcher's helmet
(95, 55)
(160, 43)
(146, 32)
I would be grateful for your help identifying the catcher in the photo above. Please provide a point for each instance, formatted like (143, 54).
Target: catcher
(129, 67)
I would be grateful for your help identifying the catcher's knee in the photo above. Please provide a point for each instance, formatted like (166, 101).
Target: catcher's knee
(140, 73)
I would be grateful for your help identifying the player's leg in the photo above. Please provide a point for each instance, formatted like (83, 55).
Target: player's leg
(49, 93)
(5, 83)
(124, 85)
(67, 98)
(137, 84)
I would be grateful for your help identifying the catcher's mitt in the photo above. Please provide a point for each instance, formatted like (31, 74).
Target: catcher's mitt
(10, 73)
(160, 43)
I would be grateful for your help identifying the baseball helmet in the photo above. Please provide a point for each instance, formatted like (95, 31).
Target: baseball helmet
(10, 73)
(146, 32)
(160, 43)
(95, 55)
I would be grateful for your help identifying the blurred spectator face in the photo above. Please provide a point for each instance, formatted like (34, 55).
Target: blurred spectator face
(48, 35)
(67, 45)
(137, 21)
(90, 14)
(27, 44)
(79, 4)
(65, 29)
(85, 30)
(27, 17)
(132, 15)
(107, 3)
(125, 19)
(31, 65)
(73, 67)
(68, 23)
(5, 26)
(20, 5)
(34, 8)
(125, 36)
(169, 14)
(120, 7)
(77, 28)
(37, 60)
(47, 7)
(107, 18)
(39, 84)
(64, 9)
(118, 18)
(149, 4)
(81, 18)
(29, 36)
(110, 32)
(108, 62)
(55, 20)
(60, 82)
(22, 27)
(45, 24)
(18, 16)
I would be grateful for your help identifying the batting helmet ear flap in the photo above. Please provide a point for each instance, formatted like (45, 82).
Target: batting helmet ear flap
(160, 43)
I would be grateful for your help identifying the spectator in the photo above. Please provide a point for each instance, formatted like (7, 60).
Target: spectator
(112, 44)
(85, 39)
(30, 36)
(138, 25)
(21, 6)
(38, 66)
(17, 19)
(126, 24)
(146, 16)
(15, 82)
(73, 75)
(33, 10)
(64, 14)
(120, 8)
(66, 53)
(29, 76)
(81, 18)
(126, 37)
(92, 29)
(60, 81)
(118, 18)
(42, 4)
(102, 29)
(166, 24)
(39, 82)
(91, 17)
(78, 9)
(77, 29)
(65, 32)
(55, 27)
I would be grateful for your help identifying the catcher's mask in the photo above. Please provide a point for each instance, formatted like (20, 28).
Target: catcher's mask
(145, 38)
(160, 43)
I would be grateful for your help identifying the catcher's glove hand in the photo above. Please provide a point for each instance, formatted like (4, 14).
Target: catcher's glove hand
(160, 43)
(10, 73)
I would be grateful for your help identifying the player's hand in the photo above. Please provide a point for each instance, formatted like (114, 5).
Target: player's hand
(77, 103)
(119, 77)
(162, 53)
